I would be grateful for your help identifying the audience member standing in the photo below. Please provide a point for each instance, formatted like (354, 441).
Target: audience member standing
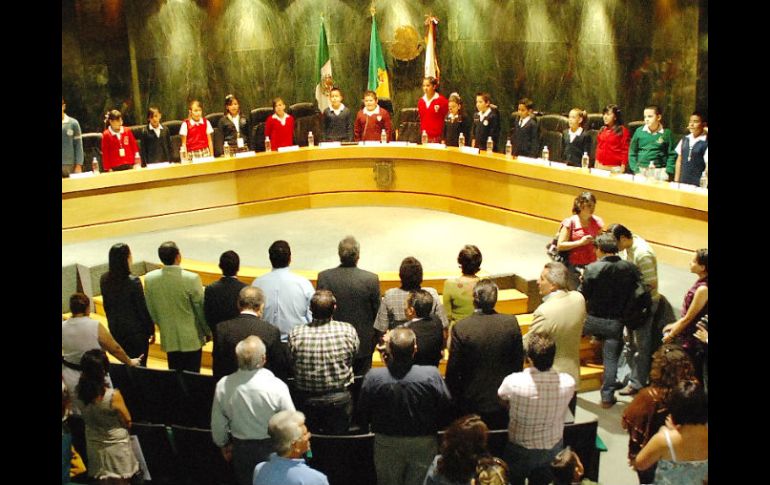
(251, 303)
(322, 352)
(175, 300)
(431, 340)
(465, 441)
(577, 234)
(71, 144)
(561, 317)
(432, 108)
(538, 398)
(358, 298)
(485, 347)
(124, 304)
(406, 405)
(244, 403)
(607, 286)
(458, 292)
(220, 298)
(287, 295)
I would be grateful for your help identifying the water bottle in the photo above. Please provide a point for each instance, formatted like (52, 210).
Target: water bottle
(508, 148)
(383, 137)
(584, 161)
(490, 145)
(704, 179)
(267, 144)
(546, 153)
(424, 139)
(461, 140)
(95, 166)
(239, 141)
(310, 139)
(651, 172)
(226, 150)
(182, 154)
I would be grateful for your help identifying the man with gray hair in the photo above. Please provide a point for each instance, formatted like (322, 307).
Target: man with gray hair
(358, 298)
(251, 304)
(243, 404)
(561, 317)
(291, 440)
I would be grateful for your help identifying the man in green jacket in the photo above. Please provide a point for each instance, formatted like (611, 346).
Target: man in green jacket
(175, 301)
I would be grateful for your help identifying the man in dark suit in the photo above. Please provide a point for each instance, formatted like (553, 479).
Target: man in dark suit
(429, 330)
(484, 349)
(358, 298)
(251, 303)
(220, 299)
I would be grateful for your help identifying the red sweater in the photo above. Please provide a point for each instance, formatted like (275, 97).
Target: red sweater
(611, 148)
(280, 135)
(369, 127)
(111, 149)
(432, 117)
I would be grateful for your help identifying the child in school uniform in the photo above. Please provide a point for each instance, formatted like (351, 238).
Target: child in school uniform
(433, 108)
(575, 141)
(155, 139)
(371, 120)
(71, 144)
(280, 126)
(486, 122)
(337, 119)
(652, 143)
(196, 132)
(234, 125)
(524, 136)
(119, 148)
(692, 152)
(456, 122)
(612, 141)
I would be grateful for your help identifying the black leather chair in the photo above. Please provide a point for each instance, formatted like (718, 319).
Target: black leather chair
(217, 138)
(595, 121)
(120, 374)
(198, 398)
(551, 127)
(257, 119)
(214, 118)
(172, 126)
(160, 395)
(158, 451)
(307, 118)
(200, 459)
(92, 147)
(581, 437)
(344, 459)
(633, 125)
(409, 125)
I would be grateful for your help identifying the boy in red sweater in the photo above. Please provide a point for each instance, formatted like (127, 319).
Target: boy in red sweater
(371, 120)
(280, 126)
(433, 108)
(119, 148)
(196, 132)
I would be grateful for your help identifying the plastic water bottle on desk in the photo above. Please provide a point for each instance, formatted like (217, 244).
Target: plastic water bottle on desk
(704, 179)
(584, 162)
(508, 148)
(182, 154)
(424, 138)
(239, 142)
(95, 166)
(651, 172)
(226, 150)
(310, 139)
(490, 145)
(267, 144)
(383, 137)
(461, 140)
(546, 153)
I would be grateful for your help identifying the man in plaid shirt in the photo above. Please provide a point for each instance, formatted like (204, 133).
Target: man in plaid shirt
(537, 399)
(322, 352)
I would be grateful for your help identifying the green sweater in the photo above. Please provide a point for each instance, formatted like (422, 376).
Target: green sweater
(649, 147)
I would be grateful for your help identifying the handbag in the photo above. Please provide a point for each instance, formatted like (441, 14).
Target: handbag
(551, 248)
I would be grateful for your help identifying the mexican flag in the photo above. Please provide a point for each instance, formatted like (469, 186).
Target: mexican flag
(323, 72)
(378, 71)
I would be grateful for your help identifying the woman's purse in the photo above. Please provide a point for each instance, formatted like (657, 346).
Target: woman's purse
(551, 248)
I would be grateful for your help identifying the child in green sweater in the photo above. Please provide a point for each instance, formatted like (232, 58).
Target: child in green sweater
(652, 143)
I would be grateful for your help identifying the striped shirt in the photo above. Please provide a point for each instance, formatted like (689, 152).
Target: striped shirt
(392, 312)
(538, 404)
(641, 254)
(323, 352)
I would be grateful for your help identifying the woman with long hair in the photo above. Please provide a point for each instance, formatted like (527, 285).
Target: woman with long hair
(465, 441)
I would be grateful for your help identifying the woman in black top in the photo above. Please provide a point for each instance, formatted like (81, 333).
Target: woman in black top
(233, 123)
(128, 319)
(456, 122)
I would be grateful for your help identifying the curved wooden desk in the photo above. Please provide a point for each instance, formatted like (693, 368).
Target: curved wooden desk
(494, 188)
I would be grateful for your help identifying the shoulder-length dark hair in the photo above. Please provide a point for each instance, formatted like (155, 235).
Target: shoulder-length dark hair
(465, 441)
(92, 381)
(618, 128)
(118, 258)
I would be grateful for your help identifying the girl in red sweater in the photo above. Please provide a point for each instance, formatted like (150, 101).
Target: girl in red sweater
(119, 148)
(371, 120)
(433, 107)
(280, 126)
(196, 132)
(612, 141)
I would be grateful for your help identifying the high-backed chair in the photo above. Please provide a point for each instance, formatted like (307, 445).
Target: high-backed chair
(409, 125)
(633, 126)
(92, 147)
(201, 461)
(214, 118)
(595, 121)
(176, 141)
(307, 118)
(257, 119)
(160, 394)
(172, 126)
(198, 396)
(120, 375)
(344, 459)
(581, 437)
(217, 138)
(551, 127)
(158, 452)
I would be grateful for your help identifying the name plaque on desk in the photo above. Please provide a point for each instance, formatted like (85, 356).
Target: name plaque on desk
(81, 175)
(292, 148)
(471, 150)
(399, 143)
(329, 144)
(203, 159)
(249, 153)
(435, 145)
(158, 165)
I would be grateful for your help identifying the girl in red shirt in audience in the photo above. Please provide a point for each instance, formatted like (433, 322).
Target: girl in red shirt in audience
(280, 126)
(196, 132)
(119, 148)
(612, 141)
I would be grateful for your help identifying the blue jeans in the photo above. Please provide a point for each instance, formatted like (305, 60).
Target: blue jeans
(611, 331)
(534, 464)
